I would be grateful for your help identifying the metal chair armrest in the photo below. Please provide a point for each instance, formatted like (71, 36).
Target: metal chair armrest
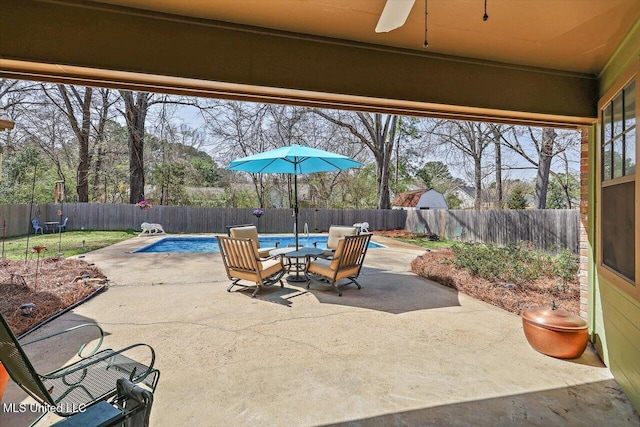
(85, 363)
(332, 257)
(74, 328)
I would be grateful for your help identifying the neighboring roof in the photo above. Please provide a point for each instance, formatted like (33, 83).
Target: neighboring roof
(468, 190)
(408, 199)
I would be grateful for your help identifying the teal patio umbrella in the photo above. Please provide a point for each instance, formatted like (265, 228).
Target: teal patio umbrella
(295, 160)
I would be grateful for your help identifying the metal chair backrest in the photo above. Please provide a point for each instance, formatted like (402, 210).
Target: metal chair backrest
(351, 251)
(239, 254)
(18, 365)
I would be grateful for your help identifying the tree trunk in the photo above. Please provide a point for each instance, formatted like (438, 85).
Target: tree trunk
(99, 142)
(97, 168)
(83, 165)
(498, 148)
(379, 138)
(544, 167)
(477, 205)
(385, 141)
(382, 183)
(567, 196)
(82, 133)
(135, 116)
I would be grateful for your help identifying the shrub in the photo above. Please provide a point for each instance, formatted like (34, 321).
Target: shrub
(515, 263)
(565, 267)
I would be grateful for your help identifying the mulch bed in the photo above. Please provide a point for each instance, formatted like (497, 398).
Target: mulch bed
(51, 284)
(400, 233)
(436, 265)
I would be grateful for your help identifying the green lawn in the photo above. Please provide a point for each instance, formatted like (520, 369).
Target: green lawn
(421, 241)
(69, 243)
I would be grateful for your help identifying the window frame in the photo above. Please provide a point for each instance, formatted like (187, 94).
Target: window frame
(617, 279)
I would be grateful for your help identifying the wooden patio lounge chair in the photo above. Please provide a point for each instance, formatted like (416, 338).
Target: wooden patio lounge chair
(242, 261)
(76, 387)
(250, 231)
(345, 264)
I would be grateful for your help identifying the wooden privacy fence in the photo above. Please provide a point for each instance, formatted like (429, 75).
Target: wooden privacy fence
(184, 219)
(548, 229)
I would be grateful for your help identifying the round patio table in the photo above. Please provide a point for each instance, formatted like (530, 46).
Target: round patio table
(293, 257)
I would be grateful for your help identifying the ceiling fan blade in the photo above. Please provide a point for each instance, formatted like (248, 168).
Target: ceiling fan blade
(394, 15)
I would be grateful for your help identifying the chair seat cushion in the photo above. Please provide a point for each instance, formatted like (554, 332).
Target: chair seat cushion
(271, 267)
(323, 268)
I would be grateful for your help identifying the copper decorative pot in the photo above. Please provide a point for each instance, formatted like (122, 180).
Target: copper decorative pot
(555, 332)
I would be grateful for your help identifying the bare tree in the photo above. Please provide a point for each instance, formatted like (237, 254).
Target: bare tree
(49, 130)
(237, 128)
(106, 100)
(136, 106)
(497, 141)
(75, 104)
(544, 167)
(378, 133)
(470, 139)
(547, 145)
(20, 100)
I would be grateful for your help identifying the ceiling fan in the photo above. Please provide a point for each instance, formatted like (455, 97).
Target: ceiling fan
(394, 15)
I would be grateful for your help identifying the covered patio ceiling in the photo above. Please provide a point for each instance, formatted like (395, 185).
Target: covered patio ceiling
(569, 35)
(531, 61)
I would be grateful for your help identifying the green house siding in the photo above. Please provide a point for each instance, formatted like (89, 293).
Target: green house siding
(620, 324)
(614, 315)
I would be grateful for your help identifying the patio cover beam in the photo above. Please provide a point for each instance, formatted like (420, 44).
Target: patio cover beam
(94, 44)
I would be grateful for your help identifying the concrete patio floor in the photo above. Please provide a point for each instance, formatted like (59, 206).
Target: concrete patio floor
(401, 351)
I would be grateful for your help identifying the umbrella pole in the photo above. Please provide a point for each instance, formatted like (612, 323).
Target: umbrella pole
(295, 208)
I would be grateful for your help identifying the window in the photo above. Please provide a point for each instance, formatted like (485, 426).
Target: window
(619, 135)
(618, 151)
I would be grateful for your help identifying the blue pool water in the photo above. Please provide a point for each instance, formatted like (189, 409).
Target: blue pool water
(210, 244)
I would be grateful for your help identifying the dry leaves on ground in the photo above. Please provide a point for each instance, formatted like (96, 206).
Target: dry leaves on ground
(50, 284)
(436, 265)
(399, 233)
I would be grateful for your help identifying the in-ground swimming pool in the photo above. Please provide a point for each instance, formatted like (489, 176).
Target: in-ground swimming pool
(210, 244)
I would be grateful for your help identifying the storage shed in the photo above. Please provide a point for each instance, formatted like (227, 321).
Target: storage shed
(420, 199)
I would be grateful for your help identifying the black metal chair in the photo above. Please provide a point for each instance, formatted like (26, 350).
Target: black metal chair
(79, 385)
(130, 408)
